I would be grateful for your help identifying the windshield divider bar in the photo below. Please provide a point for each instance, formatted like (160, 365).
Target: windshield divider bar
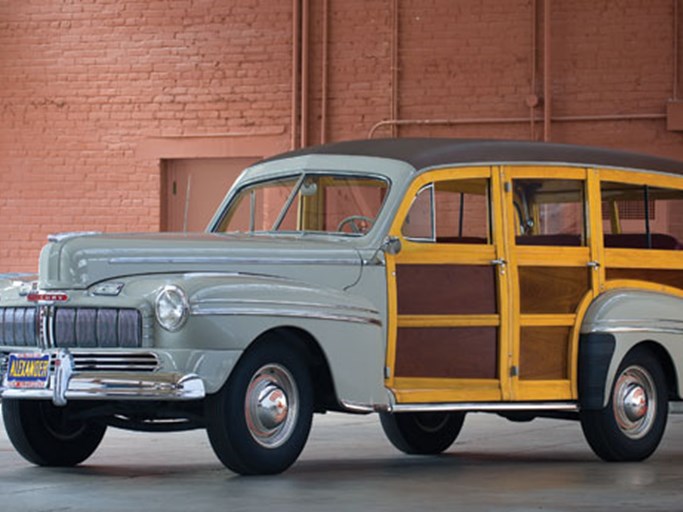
(288, 203)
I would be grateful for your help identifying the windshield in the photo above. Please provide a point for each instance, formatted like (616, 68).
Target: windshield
(317, 203)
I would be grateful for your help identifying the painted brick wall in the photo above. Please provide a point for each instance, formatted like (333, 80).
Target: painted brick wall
(83, 82)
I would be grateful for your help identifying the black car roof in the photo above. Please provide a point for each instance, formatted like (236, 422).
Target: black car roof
(422, 153)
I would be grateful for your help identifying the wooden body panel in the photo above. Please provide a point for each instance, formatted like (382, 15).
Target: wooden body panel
(501, 321)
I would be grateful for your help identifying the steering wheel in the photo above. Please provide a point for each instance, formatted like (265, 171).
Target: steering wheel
(358, 224)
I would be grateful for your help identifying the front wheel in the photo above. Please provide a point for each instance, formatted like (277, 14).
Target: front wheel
(631, 426)
(258, 423)
(422, 433)
(47, 435)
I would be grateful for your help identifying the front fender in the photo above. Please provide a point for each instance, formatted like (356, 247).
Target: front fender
(230, 311)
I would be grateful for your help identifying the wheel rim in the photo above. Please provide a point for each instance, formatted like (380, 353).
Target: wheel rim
(431, 422)
(635, 402)
(271, 405)
(58, 423)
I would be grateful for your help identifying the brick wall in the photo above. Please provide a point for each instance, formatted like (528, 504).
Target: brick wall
(84, 83)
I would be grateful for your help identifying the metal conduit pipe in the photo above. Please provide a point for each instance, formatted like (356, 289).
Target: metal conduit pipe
(510, 120)
(675, 51)
(394, 66)
(305, 47)
(532, 99)
(547, 63)
(323, 86)
(295, 72)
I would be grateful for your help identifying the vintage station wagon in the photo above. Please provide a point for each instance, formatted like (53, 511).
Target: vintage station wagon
(417, 278)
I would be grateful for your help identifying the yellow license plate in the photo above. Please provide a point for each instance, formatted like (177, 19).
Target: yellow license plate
(28, 371)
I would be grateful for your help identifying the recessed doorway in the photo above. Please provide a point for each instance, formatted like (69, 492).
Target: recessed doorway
(192, 189)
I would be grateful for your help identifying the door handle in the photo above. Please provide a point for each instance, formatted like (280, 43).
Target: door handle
(595, 265)
(500, 263)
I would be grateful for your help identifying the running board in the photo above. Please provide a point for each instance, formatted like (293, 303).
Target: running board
(486, 407)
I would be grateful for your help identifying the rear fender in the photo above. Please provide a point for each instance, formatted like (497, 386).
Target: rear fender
(614, 324)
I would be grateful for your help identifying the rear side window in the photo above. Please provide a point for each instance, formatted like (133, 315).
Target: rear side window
(641, 217)
(549, 212)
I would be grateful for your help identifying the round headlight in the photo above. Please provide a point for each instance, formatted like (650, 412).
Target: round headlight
(172, 308)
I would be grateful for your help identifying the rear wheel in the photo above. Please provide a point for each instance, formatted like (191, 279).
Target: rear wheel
(258, 423)
(422, 433)
(47, 435)
(631, 426)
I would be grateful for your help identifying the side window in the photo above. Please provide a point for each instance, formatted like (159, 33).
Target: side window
(549, 212)
(455, 212)
(641, 217)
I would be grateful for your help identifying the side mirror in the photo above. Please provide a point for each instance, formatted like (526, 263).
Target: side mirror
(391, 245)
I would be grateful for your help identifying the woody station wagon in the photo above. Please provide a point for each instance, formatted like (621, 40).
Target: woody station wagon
(417, 278)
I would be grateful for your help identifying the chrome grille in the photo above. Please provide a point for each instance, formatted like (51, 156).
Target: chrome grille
(19, 327)
(97, 328)
(71, 327)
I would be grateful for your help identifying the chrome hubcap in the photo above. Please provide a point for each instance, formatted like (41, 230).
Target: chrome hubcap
(634, 402)
(271, 405)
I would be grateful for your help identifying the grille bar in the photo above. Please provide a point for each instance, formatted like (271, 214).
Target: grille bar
(134, 362)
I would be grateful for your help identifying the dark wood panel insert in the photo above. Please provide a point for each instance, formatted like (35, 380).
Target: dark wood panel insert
(447, 352)
(446, 289)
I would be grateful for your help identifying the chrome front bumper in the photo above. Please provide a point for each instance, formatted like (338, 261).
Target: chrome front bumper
(66, 383)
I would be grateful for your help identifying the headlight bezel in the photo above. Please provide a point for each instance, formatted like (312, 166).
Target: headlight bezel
(173, 297)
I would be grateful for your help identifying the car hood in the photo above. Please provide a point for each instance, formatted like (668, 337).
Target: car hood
(78, 261)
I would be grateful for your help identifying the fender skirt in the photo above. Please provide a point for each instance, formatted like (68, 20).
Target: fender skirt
(595, 354)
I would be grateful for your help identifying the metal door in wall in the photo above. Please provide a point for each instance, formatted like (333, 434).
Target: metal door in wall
(193, 188)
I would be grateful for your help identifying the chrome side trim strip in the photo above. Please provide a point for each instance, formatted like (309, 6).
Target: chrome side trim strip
(644, 321)
(486, 407)
(282, 303)
(201, 310)
(629, 328)
(660, 325)
(357, 407)
(229, 260)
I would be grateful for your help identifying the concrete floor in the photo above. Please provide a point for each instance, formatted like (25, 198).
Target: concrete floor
(348, 465)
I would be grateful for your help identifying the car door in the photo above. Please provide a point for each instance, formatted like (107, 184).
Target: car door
(554, 273)
(448, 290)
